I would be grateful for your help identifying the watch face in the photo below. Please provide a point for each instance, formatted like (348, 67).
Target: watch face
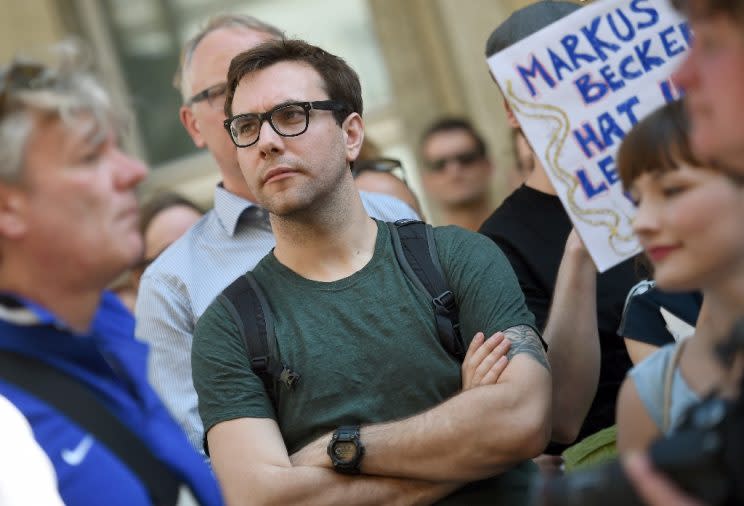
(344, 451)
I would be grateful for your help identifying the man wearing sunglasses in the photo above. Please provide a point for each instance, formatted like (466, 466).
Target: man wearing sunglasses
(457, 172)
(355, 330)
(230, 239)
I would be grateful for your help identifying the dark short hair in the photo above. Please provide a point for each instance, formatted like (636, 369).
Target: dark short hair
(340, 81)
(159, 203)
(525, 21)
(452, 123)
(706, 8)
(658, 143)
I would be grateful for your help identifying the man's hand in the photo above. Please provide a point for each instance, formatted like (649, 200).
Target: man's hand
(485, 360)
(655, 489)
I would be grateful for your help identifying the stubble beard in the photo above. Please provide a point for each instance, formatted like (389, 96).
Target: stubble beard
(309, 199)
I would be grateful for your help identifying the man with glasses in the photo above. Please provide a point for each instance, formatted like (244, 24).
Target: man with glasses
(457, 172)
(413, 425)
(68, 358)
(229, 240)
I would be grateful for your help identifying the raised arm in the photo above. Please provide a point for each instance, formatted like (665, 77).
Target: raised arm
(572, 335)
(476, 434)
(252, 465)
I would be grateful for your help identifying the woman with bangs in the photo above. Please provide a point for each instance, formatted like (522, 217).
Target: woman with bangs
(689, 223)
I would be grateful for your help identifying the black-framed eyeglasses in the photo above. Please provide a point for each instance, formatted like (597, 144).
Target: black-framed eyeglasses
(389, 165)
(463, 158)
(22, 76)
(287, 120)
(214, 95)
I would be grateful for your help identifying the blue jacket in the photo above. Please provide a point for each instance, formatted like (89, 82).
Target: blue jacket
(114, 365)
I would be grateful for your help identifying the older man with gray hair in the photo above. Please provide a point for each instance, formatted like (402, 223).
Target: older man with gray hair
(68, 358)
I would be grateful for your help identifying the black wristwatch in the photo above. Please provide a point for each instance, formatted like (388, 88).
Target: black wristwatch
(346, 450)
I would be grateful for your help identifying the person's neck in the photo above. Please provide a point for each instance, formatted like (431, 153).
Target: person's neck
(724, 305)
(239, 188)
(469, 216)
(73, 303)
(539, 180)
(720, 311)
(329, 242)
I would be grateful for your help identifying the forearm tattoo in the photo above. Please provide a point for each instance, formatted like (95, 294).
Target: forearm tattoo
(524, 339)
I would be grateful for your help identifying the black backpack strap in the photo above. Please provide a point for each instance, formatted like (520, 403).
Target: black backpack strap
(413, 242)
(250, 310)
(79, 404)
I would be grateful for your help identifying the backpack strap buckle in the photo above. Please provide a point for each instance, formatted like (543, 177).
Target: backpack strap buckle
(445, 303)
(260, 363)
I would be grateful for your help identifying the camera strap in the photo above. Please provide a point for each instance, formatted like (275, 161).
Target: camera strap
(77, 402)
(668, 382)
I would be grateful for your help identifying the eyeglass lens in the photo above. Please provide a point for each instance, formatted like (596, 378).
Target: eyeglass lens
(288, 120)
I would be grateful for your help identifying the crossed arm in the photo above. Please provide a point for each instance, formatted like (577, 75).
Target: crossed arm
(477, 433)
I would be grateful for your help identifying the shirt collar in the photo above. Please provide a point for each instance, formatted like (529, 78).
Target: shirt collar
(230, 208)
(21, 311)
(24, 312)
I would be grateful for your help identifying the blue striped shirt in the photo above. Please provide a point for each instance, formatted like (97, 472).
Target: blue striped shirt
(176, 289)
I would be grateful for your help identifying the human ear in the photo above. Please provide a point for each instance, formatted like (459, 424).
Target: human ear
(12, 204)
(511, 118)
(353, 129)
(191, 124)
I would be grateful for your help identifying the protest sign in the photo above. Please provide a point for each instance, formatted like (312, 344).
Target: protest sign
(577, 87)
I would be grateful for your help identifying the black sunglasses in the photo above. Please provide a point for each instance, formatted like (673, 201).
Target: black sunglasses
(390, 165)
(464, 158)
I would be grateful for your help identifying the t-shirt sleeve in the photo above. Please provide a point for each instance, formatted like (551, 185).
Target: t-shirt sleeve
(642, 321)
(224, 381)
(487, 292)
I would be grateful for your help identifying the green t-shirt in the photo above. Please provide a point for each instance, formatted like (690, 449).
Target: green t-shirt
(366, 346)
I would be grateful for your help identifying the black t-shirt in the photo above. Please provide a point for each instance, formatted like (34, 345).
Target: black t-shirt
(642, 320)
(531, 227)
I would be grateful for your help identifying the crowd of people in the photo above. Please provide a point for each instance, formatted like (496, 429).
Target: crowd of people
(309, 339)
